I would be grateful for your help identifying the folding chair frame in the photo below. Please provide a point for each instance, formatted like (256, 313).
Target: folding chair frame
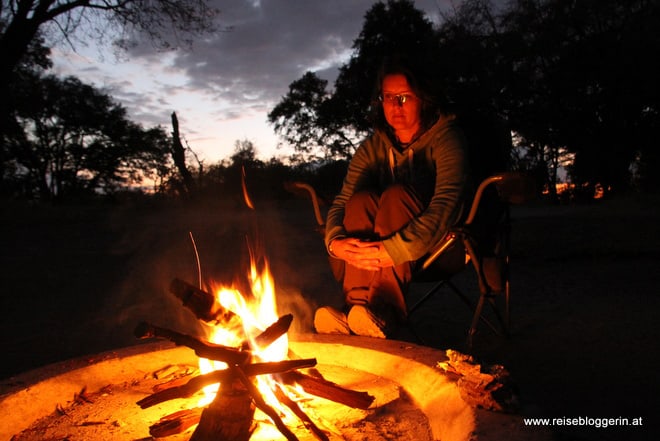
(512, 188)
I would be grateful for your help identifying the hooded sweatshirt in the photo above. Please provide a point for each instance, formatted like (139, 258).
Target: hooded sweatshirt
(435, 165)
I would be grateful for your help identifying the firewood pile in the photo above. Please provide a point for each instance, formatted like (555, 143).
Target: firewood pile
(484, 386)
(230, 416)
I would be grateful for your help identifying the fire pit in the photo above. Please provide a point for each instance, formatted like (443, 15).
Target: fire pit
(412, 369)
(389, 389)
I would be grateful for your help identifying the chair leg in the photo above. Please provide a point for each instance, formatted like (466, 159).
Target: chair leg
(475, 321)
(478, 316)
(478, 310)
(500, 319)
(427, 295)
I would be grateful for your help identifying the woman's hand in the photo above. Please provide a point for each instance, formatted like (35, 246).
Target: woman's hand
(360, 253)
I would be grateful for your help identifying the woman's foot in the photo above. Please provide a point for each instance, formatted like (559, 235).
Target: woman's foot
(328, 320)
(363, 321)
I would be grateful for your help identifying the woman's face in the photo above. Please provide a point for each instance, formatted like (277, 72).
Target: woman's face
(401, 107)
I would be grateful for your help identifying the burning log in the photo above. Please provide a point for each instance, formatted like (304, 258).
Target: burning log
(323, 388)
(205, 307)
(261, 404)
(201, 303)
(216, 414)
(229, 417)
(214, 422)
(274, 331)
(222, 376)
(204, 350)
(213, 351)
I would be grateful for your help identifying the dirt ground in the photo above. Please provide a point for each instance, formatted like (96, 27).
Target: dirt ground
(77, 280)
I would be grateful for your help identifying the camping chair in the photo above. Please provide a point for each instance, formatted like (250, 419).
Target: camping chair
(484, 237)
(482, 240)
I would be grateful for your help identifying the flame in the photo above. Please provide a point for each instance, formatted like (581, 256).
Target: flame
(246, 195)
(255, 316)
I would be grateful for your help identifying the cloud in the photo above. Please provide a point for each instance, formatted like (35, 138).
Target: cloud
(223, 88)
(270, 44)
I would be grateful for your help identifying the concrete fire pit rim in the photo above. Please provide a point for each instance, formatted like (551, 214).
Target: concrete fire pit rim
(412, 366)
(29, 378)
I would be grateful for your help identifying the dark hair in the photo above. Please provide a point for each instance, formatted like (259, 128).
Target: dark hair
(421, 81)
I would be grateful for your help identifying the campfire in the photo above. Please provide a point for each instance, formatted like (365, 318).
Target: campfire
(269, 388)
(257, 371)
(417, 398)
(250, 360)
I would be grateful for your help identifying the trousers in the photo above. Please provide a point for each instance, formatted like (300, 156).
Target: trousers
(372, 216)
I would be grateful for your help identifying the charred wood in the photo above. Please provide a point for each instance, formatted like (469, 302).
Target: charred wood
(201, 303)
(283, 398)
(230, 417)
(328, 390)
(274, 331)
(202, 349)
(175, 423)
(262, 405)
(222, 376)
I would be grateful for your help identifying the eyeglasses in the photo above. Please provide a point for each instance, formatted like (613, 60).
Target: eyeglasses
(396, 99)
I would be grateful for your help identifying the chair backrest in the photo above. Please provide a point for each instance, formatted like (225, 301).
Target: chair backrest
(485, 228)
(516, 187)
(512, 188)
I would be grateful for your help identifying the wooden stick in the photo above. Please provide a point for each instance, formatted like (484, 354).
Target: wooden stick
(222, 376)
(204, 350)
(328, 390)
(283, 398)
(274, 331)
(229, 417)
(201, 303)
(261, 404)
(176, 382)
(176, 422)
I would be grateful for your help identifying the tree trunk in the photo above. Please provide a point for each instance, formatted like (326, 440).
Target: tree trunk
(179, 157)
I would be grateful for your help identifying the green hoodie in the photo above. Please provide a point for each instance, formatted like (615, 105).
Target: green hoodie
(435, 164)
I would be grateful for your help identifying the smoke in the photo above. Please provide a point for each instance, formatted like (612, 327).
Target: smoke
(156, 247)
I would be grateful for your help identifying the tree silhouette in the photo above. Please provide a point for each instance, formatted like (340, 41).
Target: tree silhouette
(309, 117)
(164, 22)
(583, 79)
(77, 141)
(22, 20)
(574, 81)
(297, 118)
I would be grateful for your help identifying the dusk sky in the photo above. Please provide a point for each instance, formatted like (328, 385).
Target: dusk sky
(224, 87)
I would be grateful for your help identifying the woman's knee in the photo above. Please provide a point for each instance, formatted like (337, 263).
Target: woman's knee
(398, 205)
(362, 200)
(398, 195)
(395, 191)
(360, 212)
